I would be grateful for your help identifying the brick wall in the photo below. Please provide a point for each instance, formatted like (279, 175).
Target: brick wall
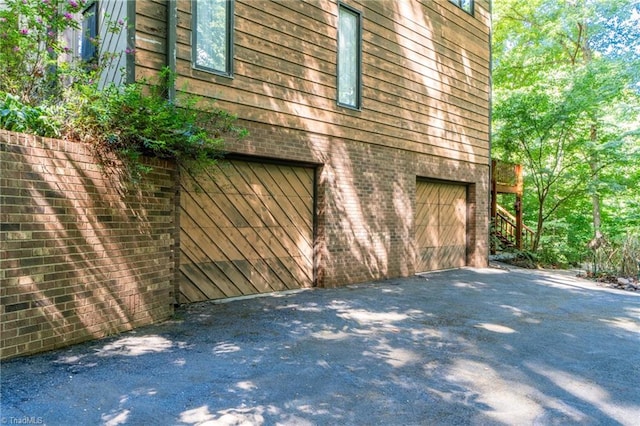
(82, 254)
(82, 257)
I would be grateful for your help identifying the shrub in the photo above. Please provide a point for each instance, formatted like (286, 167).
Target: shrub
(18, 117)
(30, 45)
(619, 256)
(137, 120)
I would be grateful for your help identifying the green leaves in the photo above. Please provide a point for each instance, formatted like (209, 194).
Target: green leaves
(30, 44)
(567, 106)
(18, 117)
(137, 120)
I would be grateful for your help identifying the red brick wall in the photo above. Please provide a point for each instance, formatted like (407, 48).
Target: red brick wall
(82, 255)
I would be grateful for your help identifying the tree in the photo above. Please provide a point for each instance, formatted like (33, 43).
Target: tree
(566, 98)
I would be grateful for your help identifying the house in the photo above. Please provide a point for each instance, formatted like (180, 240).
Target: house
(368, 155)
(368, 158)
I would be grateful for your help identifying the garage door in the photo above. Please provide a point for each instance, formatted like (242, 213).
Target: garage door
(441, 217)
(246, 228)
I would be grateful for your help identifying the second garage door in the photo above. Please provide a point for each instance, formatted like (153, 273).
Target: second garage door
(246, 228)
(440, 225)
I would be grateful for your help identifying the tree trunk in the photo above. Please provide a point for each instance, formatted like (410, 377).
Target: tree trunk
(594, 161)
(594, 164)
(539, 227)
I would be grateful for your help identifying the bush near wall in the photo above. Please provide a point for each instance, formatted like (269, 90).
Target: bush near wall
(82, 254)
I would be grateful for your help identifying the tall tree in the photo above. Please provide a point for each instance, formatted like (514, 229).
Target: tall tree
(566, 95)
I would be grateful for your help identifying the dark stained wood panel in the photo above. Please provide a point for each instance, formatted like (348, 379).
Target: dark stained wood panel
(440, 225)
(246, 228)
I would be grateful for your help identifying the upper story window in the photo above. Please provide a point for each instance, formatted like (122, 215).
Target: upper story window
(466, 5)
(213, 35)
(89, 36)
(349, 53)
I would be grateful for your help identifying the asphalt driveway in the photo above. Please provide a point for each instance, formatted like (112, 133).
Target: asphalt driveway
(469, 346)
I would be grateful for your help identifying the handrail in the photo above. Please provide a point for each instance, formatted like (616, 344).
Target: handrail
(505, 225)
(506, 213)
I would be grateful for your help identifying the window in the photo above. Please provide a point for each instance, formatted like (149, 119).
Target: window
(88, 39)
(349, 52)
(212, 32)
(466, 5)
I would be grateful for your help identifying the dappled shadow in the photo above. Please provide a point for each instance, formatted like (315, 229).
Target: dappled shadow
(465, 346)
(425, 87)
(87, 254)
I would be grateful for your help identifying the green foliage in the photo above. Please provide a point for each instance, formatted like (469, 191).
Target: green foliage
(619, 256)
(567, 106)
(137, 120)
(18, 117)
(556, 249)
(31, 44)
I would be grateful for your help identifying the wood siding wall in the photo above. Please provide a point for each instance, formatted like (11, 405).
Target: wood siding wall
(150, 38)
(425, 71)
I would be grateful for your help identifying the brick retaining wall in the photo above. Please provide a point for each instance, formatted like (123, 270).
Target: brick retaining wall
(82, 254)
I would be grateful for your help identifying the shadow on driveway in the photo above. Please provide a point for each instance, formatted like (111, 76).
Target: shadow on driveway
(468, 346)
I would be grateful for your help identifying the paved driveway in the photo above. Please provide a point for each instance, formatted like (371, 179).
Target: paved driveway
(467, 346)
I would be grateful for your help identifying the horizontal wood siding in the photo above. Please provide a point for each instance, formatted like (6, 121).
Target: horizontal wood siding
(425, 70)
(150, 38)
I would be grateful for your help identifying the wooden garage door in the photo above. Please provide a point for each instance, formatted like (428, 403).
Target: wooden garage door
(246, 228)
(441, 217)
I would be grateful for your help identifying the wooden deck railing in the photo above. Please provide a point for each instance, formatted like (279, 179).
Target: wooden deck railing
(505, 226)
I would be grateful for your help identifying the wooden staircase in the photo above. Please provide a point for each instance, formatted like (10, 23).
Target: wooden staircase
(505, 229)
(509, 229)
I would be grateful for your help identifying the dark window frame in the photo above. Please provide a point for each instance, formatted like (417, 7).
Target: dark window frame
(470, 9)
(229, 28)
(89, 52)
(358, 104)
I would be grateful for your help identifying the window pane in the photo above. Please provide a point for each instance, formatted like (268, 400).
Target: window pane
(212, 42)
(466, 5)
(89, 34)
(348, 57)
